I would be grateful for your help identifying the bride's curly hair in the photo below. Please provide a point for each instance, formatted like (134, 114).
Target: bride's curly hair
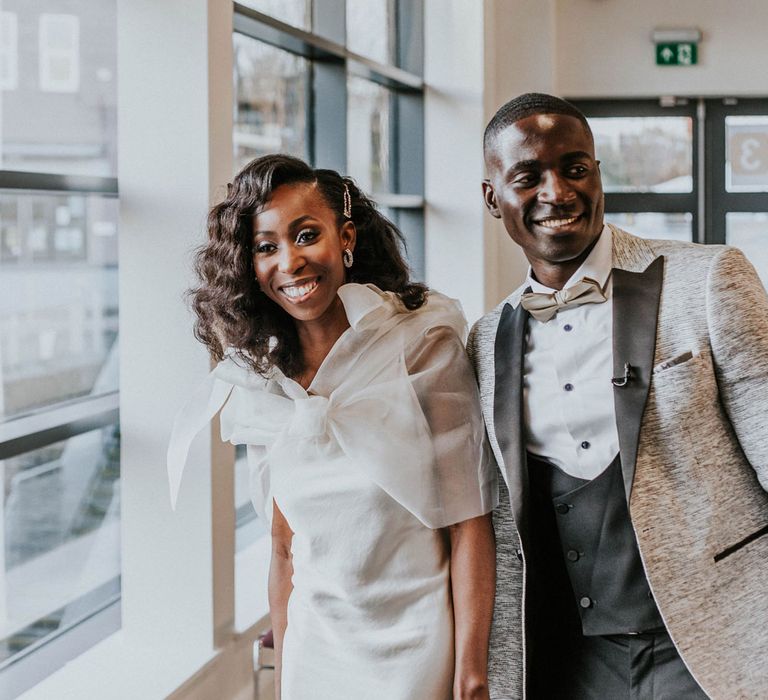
(232, 312)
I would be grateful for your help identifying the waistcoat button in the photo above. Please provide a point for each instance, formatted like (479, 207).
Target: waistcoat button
(573, 555)
(562, 508)
(586, 602)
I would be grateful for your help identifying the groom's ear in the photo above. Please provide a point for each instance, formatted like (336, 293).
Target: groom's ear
(489, 196)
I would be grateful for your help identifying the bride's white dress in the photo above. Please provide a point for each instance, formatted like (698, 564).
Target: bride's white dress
(385, 447)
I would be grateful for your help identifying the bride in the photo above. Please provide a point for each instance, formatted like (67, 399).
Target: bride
(350, 386)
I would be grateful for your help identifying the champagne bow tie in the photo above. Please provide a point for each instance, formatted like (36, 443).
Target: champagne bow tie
(544, 306)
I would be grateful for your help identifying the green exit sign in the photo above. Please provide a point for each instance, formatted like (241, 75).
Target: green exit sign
(681, 53)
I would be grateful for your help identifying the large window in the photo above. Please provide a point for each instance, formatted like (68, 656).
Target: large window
(687, 169)
(338, 84)
(738, 210)
(59, 431)
(648, 162)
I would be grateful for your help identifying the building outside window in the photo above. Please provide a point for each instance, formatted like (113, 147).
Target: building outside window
(9, 47)
(59, 53)
(59, 427)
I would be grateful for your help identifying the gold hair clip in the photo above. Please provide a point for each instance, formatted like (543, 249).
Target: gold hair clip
(347, 202)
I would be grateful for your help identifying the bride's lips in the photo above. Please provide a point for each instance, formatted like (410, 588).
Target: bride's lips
(301, 290)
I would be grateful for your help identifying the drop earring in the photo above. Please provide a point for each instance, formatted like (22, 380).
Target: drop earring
(348, 258)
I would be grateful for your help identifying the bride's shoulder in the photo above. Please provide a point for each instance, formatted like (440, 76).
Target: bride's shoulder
(439, 313)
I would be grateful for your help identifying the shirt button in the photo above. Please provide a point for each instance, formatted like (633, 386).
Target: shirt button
(573, 555)
(585, 602)
(568, 387)
(585, 445)
(567, 327)
(562, 508)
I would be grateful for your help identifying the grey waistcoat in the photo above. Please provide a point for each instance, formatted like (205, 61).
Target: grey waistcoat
(595, 537)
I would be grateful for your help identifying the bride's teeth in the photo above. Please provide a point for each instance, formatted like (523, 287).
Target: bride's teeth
(300, 291)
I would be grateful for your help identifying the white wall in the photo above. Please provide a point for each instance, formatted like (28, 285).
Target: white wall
(454, 120)
(603, 48)
(477, 56)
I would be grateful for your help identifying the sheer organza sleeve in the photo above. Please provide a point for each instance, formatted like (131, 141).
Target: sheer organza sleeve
(463, 474)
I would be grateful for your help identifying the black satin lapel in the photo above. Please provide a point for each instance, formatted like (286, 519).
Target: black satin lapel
(508, 406)
(636, 298)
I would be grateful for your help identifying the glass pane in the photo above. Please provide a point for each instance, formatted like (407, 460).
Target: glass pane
(58, 75)
(271, 101)
(369, 135)
(370, 29)
(746, 154)
(61, 521)
(252, 550)
(58, 298)
(411, 224)
(668, 227)
(297, 13)
(749, 232)
(644, 154)
(248, 524)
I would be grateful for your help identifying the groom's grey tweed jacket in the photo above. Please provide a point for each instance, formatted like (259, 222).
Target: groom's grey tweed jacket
(697, 485)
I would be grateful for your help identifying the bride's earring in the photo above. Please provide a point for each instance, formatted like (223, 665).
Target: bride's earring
(347, 257)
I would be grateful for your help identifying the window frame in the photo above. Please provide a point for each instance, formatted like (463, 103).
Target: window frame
(709, 202)
(720, 202)
(657, 202)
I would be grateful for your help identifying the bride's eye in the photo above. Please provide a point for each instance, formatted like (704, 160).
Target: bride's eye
(306, 235)
(265, 247)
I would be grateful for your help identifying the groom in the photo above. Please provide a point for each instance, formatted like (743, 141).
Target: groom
(625, 392)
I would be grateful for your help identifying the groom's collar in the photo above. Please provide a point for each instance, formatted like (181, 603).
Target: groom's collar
(597, 266)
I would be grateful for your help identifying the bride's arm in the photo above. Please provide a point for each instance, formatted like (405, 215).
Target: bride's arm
(465, 483)
(473, 577)
(280, 586)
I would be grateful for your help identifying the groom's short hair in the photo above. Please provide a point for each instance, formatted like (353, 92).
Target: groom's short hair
(524, 106)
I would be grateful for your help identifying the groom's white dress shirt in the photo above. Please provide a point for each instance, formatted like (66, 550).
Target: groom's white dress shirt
(568, 396)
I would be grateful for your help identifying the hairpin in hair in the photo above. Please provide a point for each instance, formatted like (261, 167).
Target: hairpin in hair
(347, 202)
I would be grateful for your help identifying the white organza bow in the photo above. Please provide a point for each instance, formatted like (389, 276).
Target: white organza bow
(397, 397)
(379, 426)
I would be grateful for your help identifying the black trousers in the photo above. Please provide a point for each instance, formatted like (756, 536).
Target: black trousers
(620, 667)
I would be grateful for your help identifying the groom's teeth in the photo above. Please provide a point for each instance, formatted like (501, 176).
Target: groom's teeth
(557, 223)
(299, 291)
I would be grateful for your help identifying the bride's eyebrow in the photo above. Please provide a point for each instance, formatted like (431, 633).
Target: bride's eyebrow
(293, 224)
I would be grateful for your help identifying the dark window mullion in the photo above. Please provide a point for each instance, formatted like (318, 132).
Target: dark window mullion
(715, 166)
(639, 202)
(720, 202)
(745, 201)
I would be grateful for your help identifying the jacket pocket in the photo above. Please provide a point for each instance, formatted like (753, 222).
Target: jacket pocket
(673, 362)
(741, 543)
